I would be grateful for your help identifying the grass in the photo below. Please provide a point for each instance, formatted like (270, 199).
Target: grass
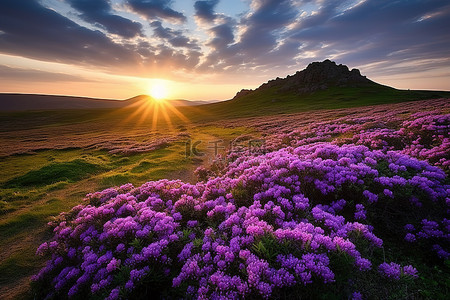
(32, 218)
(70, 171)
(271, 101)
(34, 119)
(143, 166)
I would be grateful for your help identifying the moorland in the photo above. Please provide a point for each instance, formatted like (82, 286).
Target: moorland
(383, 151)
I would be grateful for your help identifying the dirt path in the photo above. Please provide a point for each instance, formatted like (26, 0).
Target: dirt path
(207, 149)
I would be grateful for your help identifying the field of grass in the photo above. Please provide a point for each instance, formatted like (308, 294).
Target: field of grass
(50, 160)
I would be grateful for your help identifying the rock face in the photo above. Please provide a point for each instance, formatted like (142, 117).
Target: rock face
(243, 92)
(317, 76)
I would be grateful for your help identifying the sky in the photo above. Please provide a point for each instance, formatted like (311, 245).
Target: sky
(211, 49)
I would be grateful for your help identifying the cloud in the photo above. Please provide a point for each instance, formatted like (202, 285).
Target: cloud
(260, 36)
(153, 9)
(176, 38)
(378, 31)
(99, 12)
(262, 29)
(33, 31)
(161, 32)
(204, 10)
(26, 75)
(223, 35)
(58, 39)
(275, 37)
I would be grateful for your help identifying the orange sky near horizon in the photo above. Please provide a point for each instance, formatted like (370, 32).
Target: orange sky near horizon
(93, 84)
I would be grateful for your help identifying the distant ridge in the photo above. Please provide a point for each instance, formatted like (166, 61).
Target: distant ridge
(316, 77)
(24, 102)
(174, 102)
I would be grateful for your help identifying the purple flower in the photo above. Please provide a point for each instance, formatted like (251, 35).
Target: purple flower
(391, 271)
(388, 193)
(212, 238)
(372, 198)
(113, 265)
(192, 223)
(363, 264)
(114, 294)
(409, 227)
(360, 213)
(357, 296)
(409, 237)
(410, 271)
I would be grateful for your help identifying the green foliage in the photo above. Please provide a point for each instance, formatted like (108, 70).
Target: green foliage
(242, 196)
(269, 248)
(115, 180)
(142, 167)
(55, 172)
(136, 243)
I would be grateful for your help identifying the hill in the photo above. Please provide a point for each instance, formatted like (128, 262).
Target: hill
(322, 85)
(25, 102)
(175, 102)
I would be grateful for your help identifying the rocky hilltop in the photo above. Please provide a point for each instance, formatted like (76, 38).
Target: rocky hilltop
(317, 76)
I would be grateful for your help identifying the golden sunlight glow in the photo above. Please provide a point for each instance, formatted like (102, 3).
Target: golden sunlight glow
(153, 111)
(158, 89)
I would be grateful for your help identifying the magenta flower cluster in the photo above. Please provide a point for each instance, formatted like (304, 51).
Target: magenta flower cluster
(423, 135)
(262, 223)
(394, 271)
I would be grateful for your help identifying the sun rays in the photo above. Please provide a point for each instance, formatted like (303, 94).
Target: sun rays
(159, 113)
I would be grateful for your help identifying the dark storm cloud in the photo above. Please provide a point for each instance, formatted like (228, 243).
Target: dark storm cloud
(31, 30)
(19, 74)
(175, 37)
(152, 9)
(204, 10)
(99, 12)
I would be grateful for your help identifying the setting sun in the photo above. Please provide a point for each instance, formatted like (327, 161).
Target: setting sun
(158, 90)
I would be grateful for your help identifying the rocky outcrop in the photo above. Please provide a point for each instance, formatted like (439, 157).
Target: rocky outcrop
(317, 76)
(243, 92)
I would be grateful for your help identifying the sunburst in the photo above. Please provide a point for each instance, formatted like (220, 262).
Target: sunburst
(158, 90)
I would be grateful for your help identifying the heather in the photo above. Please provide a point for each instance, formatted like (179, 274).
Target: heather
(355, 206)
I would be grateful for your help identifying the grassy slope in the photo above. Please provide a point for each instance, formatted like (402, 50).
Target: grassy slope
(269, 101)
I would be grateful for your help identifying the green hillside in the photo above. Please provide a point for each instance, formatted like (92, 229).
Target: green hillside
(272, 101)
